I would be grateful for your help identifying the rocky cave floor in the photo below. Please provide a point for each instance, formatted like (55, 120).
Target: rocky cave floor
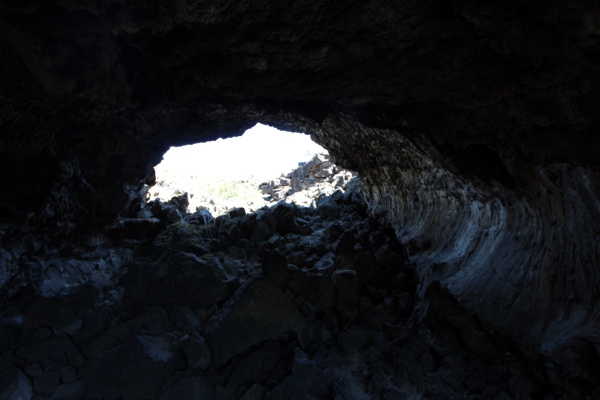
(289, 302)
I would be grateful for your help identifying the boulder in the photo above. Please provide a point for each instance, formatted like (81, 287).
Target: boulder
(201, 217)
(266, 226)
(184, 236)
(385, 257)
(237, 212)
(175, 277)
(255, 367)
(197, 352)
(258, 227)
(58, 349)
(255, 392)
(69, 391)
(237, 252)
(192, 387)
(307, 380)
(47, 383)
(326, 264)
(328, 207)
(286, 219)
(134, 370)
(136, 228)
(321, 291)
(257, 312)
(347, 285)
(70, 328)
(14, 384)
(361, 262)
(168, 212)
(184, 318)
(275, 267)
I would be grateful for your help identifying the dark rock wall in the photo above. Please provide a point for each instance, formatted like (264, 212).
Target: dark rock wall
(473, 126)
(500, 249)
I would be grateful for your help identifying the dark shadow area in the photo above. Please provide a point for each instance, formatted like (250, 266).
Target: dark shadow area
(480, 161)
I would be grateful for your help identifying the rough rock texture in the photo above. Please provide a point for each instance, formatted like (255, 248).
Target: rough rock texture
(303, 185)
(326, 313)
(473, 126)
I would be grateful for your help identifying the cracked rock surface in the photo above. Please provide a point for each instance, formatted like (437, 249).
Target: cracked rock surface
(320, 314)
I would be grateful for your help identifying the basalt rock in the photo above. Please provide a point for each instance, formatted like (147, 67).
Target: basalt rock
(175, 325)
(473, 126)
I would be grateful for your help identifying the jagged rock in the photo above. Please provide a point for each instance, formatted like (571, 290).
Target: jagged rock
(154, 321)
(307, 380)
(361, 262)
(321, 291)
(71, 328)
(68, 374)
(187, 237)
(69, 391)
(326, 264)
(258, 366)
(134, 370)
(328, 207)
(265, 226)
(202, 217)
(237, 212)
(257, 312)
(184, 317)
(137, 228)
(168, 212)
(275, 267)
(296, 259)
(182, 201)
(258, 227)
(237, 252)
(46, 383)
(100, 345)
(57, 348)
(478, 341)
(175, 277)
(197, 352)
(14, 384)
(353, 341)
(63, 275)
(347, 284)
(255, 392)
(286, 219)
(33, 370)
(193, 387)
(353, 298)
(386, 257)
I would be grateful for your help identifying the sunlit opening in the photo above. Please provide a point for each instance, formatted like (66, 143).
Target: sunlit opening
(227, 173)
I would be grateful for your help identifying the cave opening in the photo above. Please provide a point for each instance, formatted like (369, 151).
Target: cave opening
(466, 266)
(241, 171)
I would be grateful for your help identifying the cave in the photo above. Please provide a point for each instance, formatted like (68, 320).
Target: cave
(472, 127)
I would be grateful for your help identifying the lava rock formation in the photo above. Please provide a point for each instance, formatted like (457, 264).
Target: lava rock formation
(473, 126)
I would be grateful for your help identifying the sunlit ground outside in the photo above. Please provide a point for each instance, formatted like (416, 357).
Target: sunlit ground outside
(226, 173)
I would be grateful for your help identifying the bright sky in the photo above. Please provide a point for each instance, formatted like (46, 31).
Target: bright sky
(262, 151)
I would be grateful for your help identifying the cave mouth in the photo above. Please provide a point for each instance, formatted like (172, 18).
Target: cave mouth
(473, 127)
(227, 173)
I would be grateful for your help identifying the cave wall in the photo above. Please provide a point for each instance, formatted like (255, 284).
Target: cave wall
(473, 126)
(521, 254)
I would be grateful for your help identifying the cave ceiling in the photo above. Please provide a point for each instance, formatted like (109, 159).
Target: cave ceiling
(521, 73)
